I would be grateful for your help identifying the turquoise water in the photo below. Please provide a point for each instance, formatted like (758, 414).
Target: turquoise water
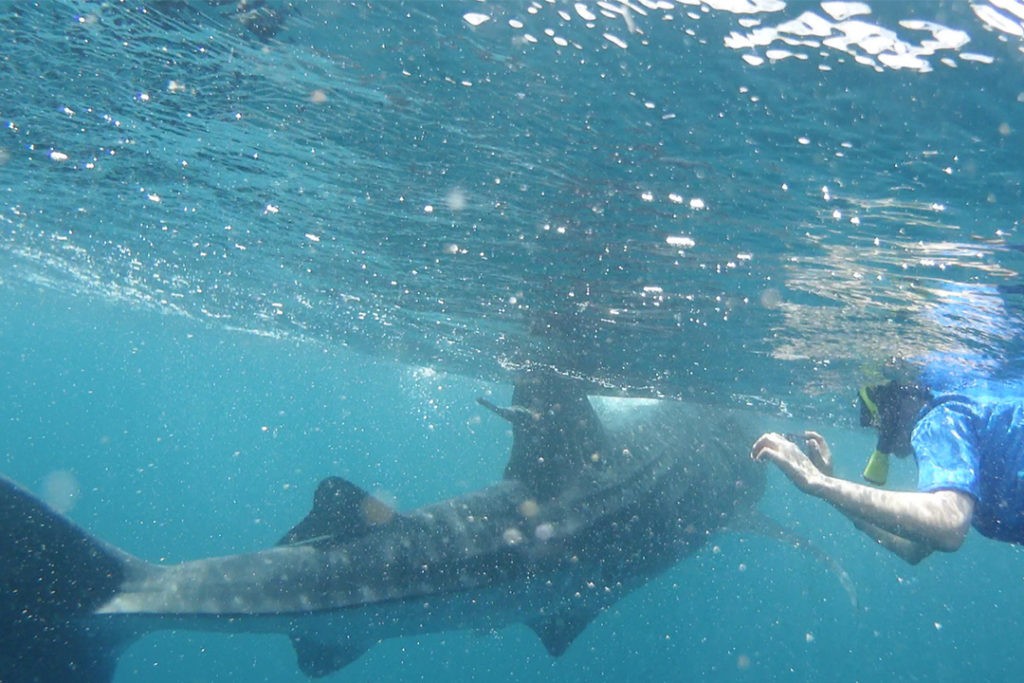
(234, 263)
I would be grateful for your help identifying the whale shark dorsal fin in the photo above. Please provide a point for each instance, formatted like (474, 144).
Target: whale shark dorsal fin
(317, 659)
(556, 435)
(558, 632)
(341, 512)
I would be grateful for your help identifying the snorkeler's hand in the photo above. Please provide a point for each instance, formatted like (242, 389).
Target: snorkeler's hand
(819, 452)
(793, 462)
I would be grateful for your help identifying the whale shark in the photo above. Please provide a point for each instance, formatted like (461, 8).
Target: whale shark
(598, 497)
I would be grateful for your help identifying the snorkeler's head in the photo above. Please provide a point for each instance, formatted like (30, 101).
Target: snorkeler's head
(891, 408)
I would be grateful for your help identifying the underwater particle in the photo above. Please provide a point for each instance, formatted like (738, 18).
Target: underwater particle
(809, 637)
(840, 11)
(512, 536)
(938, 625)
(1004, 129)
(58, 156)
(776, 55)
(456, 199)
(5, 156)
(743, 662)
(997, 20)
(615, 40)
(61, 490)
(584, 12)
(544, 531)
(771, 298)
(475, 18)
(318, 96)
(697, 204)
(680, 241)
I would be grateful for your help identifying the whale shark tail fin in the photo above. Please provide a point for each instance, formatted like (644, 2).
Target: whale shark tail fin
(53, 575)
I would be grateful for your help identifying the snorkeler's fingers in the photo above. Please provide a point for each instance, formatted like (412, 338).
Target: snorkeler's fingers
(765, 453)
(817, 442)
(819, 452)
(790, 460)
(764, 443)
(816, 439)
(778, 449)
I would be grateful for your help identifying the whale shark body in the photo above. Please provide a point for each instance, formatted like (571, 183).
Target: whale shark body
(593, 504)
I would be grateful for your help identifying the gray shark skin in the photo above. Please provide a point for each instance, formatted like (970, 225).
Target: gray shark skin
(594, 503)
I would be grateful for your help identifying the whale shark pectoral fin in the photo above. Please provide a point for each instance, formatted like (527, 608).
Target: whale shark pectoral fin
(341, 512)
(317, 659)
(558, 632)
(768, 527)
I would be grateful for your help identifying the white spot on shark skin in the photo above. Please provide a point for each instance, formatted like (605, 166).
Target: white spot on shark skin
(529, 508)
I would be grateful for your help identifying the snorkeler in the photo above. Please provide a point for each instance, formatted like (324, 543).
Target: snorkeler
(968, 442)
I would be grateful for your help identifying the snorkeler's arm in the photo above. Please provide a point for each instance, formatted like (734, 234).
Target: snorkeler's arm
(936, 520)
(909, 551)
(818, 450)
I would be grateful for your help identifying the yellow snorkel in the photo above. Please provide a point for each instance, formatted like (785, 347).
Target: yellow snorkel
(877, 470)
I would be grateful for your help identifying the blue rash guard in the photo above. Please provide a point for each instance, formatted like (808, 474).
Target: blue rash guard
(971, 439)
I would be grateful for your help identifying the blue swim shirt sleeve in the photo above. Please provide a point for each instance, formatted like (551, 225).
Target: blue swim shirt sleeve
(944, 442)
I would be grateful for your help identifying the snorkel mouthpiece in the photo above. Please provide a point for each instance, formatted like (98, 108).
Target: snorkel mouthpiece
(869, 414)
(877, 469)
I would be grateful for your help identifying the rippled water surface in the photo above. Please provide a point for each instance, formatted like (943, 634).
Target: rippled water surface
(726, 199)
